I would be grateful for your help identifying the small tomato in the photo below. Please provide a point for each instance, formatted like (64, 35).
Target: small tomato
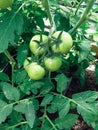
(53, 63)
(35, 71)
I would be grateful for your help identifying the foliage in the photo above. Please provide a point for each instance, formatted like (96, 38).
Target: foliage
(29, 104)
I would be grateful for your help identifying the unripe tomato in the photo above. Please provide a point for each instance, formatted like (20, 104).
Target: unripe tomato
(35, 71)
(26, 63)
(35, 47)
(53, 63)
(5, 3)
(65, 42)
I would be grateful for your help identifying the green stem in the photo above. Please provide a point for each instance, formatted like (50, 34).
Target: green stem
(43, 118)
(79, 5)
(6, 52)
(83, 18)
(47, 8)
(51, 122)
(49, 74)
(21, 123)
(12, 61)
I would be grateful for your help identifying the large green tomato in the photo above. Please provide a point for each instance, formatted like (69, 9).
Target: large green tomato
(5, 3)
(35, 47)
(35, 71)
(65, 42)
(26, 63)
(53, 63)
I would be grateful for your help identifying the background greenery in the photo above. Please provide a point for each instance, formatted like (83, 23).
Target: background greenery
(39, 105)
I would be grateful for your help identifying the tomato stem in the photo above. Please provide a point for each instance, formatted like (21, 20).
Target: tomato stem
(12, 61)
(79, 6)
(47, 8)
(16, 125)
(54, 127)
(83, 18)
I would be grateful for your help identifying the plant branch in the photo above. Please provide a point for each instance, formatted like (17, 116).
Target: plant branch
(12, 61)
(51, 122)
(79, 5)
(47, 8)
(20, 123)
(83, 18)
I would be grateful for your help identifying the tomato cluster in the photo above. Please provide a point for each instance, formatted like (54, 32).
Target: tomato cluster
(49, 51)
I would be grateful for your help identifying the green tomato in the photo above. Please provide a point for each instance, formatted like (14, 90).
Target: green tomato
(5, 3)
(26, 63)
(65, 43)
(35, 47)
(53, 63)
(35, 71)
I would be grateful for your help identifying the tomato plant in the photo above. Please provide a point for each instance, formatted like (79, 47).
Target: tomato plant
(46, 48)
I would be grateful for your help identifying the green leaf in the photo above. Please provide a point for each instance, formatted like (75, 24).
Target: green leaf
(21, 107)
(64, 108)
(40, 22)
(88, 111)
(22, 53)
(82, 78)
(26, 107)
(30, 114)
(62, 82)
(47, 99)
(47, 86)
(95, 127)
(5, 110)
(87, 105)
(32, 86)
(47, 125)
(15, 117)
(4, 77)
(10, 92)
(19, 76)
(88, 96)
(85, 48)
(62, 105)
(4, 126)
(12, 24)
(66, 122)
(36, 85)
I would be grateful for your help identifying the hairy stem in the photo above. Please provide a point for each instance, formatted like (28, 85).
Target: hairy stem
(47, 8)
(12, 61)
(54, 127)
(83, 18)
